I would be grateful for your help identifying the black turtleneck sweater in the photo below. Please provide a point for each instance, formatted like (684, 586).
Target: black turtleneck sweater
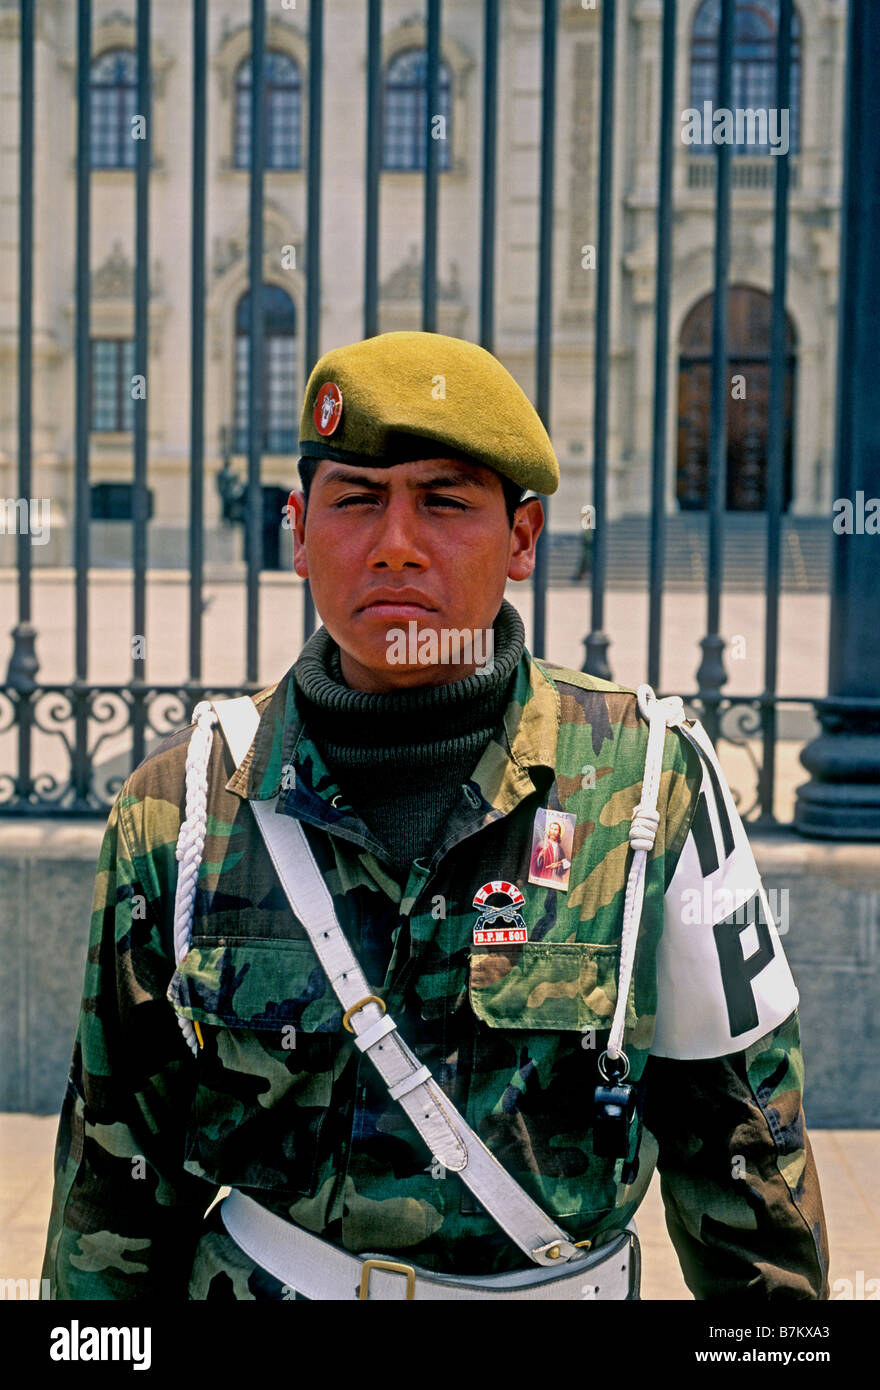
(401, 758)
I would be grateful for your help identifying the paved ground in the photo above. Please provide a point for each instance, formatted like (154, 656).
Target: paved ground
(803, 626)
(803, 653)
(848, 1162)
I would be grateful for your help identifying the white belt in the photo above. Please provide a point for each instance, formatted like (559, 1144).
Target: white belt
(319, 1270)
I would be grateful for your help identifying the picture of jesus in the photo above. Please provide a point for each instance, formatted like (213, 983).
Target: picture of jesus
(550, 863)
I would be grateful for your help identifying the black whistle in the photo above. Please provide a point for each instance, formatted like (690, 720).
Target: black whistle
(612, 1113)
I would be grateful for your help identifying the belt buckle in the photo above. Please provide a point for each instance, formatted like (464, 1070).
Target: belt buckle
(356, 1008)
(395, 1268)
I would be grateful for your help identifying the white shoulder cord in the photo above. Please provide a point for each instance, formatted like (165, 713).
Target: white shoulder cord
(191, 840)
(660, 714)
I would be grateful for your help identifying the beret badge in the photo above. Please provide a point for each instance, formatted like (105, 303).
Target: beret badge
(328, 408)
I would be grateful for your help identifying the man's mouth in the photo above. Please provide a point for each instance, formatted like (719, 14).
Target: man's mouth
(403, 606)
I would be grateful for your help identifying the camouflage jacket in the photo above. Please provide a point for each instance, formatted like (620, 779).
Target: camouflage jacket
(278, 1101)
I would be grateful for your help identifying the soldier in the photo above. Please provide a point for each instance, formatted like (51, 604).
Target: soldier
(320, 971)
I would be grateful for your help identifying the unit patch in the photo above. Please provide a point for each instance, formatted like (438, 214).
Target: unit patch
(499, 922)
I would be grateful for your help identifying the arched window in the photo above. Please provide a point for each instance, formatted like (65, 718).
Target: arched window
(404, 117)
(748, 406)
(282, 117)
(279, 386)
(112, 368)
(756, 25)
(114, 101)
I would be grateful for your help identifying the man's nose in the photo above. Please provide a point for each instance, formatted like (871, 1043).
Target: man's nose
(397, 542)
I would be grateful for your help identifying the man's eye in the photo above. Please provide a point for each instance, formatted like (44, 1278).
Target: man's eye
(357, 500)
(438, 500)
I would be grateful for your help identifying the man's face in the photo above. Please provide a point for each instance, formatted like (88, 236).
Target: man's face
(426, 542)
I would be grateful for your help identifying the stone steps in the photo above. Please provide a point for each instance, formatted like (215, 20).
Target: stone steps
(805, 553)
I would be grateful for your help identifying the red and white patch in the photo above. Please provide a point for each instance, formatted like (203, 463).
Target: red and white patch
(499, 923)
(500, 936)
(328, 408)
(499, 885)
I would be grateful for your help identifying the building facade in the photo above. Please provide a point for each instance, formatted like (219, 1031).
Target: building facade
(814, 133)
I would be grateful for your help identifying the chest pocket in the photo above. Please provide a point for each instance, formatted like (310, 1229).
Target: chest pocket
(538, 1071)
(545, 985)
(271, 1035)
(260, 984)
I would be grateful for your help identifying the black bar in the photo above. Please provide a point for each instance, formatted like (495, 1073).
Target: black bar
(254, 521)
(432, 156)
(545, 301)
(711, 674)
(82, 498)
(776, 422)
(313, 228)
(83, 312)
(663, 289)
(490, 137)
(23, 661)
(372, 168)
(26, 299)
(197, 343)
(597, 643)
(141, 355)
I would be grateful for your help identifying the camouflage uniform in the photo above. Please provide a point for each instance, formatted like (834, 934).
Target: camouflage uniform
(279, 1102)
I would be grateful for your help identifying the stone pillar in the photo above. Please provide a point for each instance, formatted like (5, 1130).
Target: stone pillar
(842, 799)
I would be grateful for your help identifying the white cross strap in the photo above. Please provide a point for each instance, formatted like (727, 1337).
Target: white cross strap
(446, 1133)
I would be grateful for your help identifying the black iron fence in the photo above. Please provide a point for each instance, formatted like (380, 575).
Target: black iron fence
(82, 715)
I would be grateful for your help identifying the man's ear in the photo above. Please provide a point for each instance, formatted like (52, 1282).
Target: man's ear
(296, 512)
(528, 523)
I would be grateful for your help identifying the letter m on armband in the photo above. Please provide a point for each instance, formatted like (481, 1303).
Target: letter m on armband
(722, 977)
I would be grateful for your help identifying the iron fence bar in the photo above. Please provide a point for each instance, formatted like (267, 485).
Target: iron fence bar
(372, 168)
(711, 675)
(82, 330)
(662, 295)
(776, 422)
(597, 642)
(23, 662)
(543, 348)
(313, 227)
(432, 155)
(254, 519)
(143, 156)
(490, 138)
(197, 345)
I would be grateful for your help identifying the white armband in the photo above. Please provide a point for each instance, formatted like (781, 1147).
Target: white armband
(722, 977)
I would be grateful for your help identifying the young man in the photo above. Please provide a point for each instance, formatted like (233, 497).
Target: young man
(556, 1039)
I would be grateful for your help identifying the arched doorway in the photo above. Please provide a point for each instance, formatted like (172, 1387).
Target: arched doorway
(748, 403)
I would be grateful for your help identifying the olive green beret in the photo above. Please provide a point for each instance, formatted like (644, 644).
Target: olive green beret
(379, 400)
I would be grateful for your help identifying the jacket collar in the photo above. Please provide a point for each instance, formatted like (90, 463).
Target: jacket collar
(531, 725)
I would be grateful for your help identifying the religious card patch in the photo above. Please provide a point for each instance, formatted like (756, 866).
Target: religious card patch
(552, 839)
(499, 922)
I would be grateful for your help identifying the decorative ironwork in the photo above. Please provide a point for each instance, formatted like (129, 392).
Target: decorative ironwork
(108, 711)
